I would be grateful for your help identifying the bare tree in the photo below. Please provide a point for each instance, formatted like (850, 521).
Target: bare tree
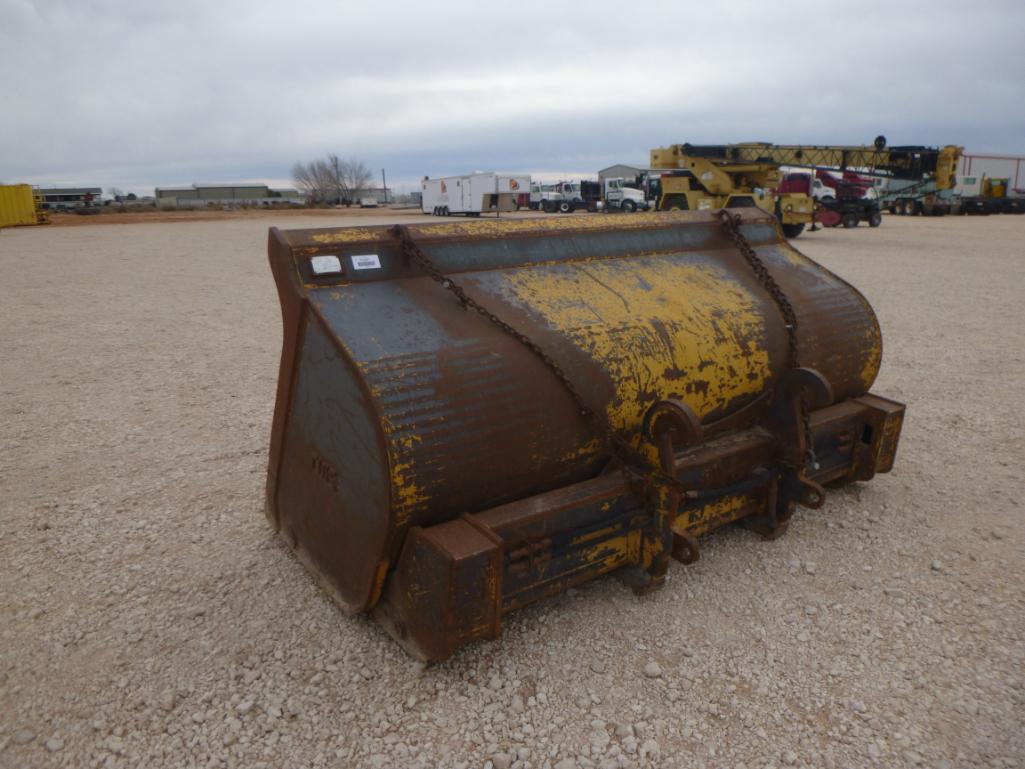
(332, 179)
(117, 193)
(355, 176)
(317, 179)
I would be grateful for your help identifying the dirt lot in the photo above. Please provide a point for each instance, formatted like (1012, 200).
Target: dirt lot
(148, 617)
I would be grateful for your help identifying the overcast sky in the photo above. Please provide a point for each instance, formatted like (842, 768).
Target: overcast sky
(135, 94)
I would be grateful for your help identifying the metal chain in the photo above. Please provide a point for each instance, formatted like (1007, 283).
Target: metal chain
(731, 223)
(619, 448)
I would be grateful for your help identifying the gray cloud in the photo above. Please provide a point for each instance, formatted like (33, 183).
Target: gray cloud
(137, 94)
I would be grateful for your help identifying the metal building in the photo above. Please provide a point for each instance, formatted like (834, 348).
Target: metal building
(619, 171)
(58, 198)
(236, 194)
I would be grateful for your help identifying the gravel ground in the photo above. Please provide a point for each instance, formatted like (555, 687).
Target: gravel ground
(149, 618)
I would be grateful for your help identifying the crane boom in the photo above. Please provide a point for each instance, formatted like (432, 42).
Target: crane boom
(908, 162)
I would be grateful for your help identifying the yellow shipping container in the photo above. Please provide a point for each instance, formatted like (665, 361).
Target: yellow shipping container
(17, 205)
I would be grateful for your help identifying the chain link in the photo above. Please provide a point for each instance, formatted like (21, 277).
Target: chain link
(731, 223)
(621, 449)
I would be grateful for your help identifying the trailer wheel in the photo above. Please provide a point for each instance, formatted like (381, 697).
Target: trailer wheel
(850, 219)
(914, 208)
(875, 219)
(629, 206)
(792, 230)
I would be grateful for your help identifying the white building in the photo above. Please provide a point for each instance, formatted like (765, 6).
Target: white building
(200, 195)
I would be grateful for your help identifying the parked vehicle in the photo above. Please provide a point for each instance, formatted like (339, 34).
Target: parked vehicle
(987, 195)
(749, 174)
(974, 195)
(541, 194)
(610, 195)
(846, 204)
(472, 194)
(920, 198)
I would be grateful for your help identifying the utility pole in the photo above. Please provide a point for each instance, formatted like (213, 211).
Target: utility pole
(338, 178)
(384, 184)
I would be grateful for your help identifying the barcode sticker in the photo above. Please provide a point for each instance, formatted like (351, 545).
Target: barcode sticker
(366, 262)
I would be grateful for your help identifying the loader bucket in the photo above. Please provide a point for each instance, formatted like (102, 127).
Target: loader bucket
(473, 416)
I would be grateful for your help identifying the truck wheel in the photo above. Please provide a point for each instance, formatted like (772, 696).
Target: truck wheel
(850, 219)
(792, 230)
(875, 219)
(629, 206)
(914, 208)
(565, 207)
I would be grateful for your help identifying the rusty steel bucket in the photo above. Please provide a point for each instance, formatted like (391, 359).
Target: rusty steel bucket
(472, 416)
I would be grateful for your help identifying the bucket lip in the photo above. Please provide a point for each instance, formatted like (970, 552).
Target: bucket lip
(529, 227)
(511, 244)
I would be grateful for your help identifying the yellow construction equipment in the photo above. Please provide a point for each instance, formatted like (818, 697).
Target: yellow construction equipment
(19, 205)
(474, 416)
(706, 177)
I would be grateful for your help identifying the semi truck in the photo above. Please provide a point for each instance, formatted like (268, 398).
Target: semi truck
(607, 195)
(979, 195)
(472, 194)
(987, 195)
(541, 195)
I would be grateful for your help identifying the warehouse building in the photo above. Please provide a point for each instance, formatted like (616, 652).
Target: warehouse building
(619, 171)
(57, 198)
(225, 194)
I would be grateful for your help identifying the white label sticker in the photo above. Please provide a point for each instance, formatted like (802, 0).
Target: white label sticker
(325, 265)
(366, 262)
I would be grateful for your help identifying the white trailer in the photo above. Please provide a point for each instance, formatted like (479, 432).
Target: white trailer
(472, 194)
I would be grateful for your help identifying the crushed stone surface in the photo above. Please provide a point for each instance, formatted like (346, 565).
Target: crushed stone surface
(150, 618)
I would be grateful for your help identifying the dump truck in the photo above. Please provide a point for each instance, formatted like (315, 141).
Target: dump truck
(472, 194)
(474, 416)
(713, 176)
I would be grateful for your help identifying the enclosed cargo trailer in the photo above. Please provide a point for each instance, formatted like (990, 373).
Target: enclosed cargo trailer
(472, 194)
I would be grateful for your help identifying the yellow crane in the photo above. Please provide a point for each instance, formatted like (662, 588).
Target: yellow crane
(712, 176)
